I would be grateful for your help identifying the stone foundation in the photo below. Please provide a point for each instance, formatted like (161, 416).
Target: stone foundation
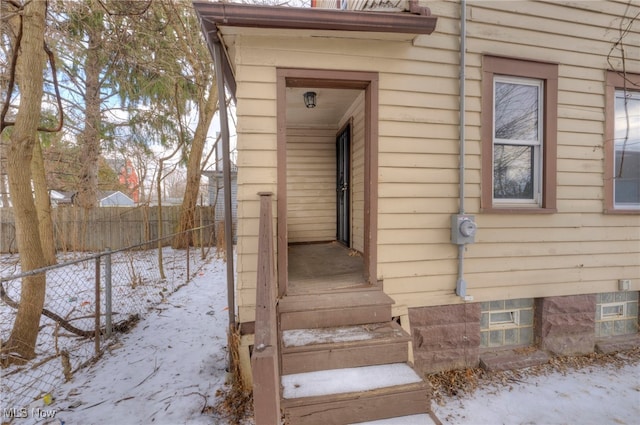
(445, 337)
(566, 325)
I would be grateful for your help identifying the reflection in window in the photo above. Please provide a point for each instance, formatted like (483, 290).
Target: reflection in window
(513, 172)
(626, 178)
(517, 159)
(516, 112)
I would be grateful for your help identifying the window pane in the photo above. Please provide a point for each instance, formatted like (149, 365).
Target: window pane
(513, 172)
(516, 111)
(627, 149)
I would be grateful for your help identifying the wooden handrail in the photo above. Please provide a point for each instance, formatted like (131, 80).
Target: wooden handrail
(264, 362)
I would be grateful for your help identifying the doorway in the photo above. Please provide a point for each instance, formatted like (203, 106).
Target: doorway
(352, 191)
(343, 186)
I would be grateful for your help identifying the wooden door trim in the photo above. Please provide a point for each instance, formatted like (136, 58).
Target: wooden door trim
(338, 79)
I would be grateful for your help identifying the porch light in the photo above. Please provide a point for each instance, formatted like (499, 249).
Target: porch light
(310, 99)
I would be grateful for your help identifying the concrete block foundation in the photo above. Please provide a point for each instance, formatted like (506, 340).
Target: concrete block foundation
(566, 325)
(445, 337)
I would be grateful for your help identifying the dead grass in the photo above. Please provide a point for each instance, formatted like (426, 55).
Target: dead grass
(466, 382)
(221, 247)
(234, 402)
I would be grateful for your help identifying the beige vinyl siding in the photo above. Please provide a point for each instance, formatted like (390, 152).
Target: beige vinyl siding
(576, 250)
(311, 184)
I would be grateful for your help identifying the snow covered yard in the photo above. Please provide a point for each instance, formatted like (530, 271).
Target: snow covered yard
(169, 367)
(598, 395)
(65, 341)
(165, 371)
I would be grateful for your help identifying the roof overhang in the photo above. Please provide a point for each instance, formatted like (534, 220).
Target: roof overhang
(417, 21)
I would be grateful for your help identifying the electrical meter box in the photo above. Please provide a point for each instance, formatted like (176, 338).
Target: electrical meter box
(463, 229)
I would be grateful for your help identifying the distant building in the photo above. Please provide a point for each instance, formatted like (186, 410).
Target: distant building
(106, 198)
(129, 178)
(216, 195)
(111, 198)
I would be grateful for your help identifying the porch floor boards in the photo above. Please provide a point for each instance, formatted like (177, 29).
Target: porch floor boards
(324, 267)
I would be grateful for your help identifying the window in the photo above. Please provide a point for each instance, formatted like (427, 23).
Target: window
(506, 322)
(612, 311)
(519, 111)
(517, 140)
(616, 313)
(622, 144)
(499, 319)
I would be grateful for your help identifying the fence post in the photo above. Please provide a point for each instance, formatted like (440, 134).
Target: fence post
(202, 227)
(97, 335)
(188, 262)
(107, 293)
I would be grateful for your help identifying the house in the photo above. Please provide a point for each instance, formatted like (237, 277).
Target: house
(462, 161)
(216, 195)
(114, 198)
(60, 197)
(106, 198)
(129, 178)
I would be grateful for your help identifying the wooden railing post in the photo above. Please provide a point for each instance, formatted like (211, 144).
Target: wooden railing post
(265, 362)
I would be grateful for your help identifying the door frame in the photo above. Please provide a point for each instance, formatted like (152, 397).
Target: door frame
(335, 79)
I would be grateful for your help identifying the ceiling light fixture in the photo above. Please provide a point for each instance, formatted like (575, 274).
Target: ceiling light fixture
(310, 99)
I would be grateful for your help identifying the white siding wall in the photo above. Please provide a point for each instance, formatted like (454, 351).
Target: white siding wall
(577, 250)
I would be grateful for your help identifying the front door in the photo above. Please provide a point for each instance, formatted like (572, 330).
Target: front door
(343, 167)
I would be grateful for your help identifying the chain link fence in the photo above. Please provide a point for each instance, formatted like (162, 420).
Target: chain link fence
(89, 301)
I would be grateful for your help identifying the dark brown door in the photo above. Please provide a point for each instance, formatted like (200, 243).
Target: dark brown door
(343, 167)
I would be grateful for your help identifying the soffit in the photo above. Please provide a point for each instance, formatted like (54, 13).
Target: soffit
(332, 105)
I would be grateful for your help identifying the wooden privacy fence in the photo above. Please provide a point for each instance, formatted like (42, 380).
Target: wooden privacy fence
(77, 229)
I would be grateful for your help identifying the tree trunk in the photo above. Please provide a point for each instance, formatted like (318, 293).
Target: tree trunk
(4, 188)
(43, 205)
(87, 196)
(30, 66)
(160, 223)
(187, 210)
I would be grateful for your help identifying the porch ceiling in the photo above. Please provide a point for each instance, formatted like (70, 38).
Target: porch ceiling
(332, 104)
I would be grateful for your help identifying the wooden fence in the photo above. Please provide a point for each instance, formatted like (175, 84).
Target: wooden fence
(77, 229)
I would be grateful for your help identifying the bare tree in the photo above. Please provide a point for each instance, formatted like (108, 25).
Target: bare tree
(28, 24)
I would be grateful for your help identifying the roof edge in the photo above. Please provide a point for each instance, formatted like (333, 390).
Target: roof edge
(419, 21)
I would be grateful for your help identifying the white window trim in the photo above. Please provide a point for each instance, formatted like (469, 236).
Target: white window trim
(537, 145)
(620, 93)
(607, 318)
(514, 323)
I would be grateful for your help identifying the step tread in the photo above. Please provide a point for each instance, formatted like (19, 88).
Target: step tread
(350, 380)
(311, 302)
(296, 340)
(422, 419)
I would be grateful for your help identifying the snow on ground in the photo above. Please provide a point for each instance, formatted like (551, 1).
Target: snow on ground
(165, 370)
(172, 363)
(599, 395)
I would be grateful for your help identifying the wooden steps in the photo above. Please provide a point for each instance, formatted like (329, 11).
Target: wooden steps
(420, 419)
(344, 361)
(334, 309)
(342, 396)
(308, 350)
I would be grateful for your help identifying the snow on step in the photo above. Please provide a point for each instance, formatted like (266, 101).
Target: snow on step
(302, 337)
(340, 381)
(423, 419)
